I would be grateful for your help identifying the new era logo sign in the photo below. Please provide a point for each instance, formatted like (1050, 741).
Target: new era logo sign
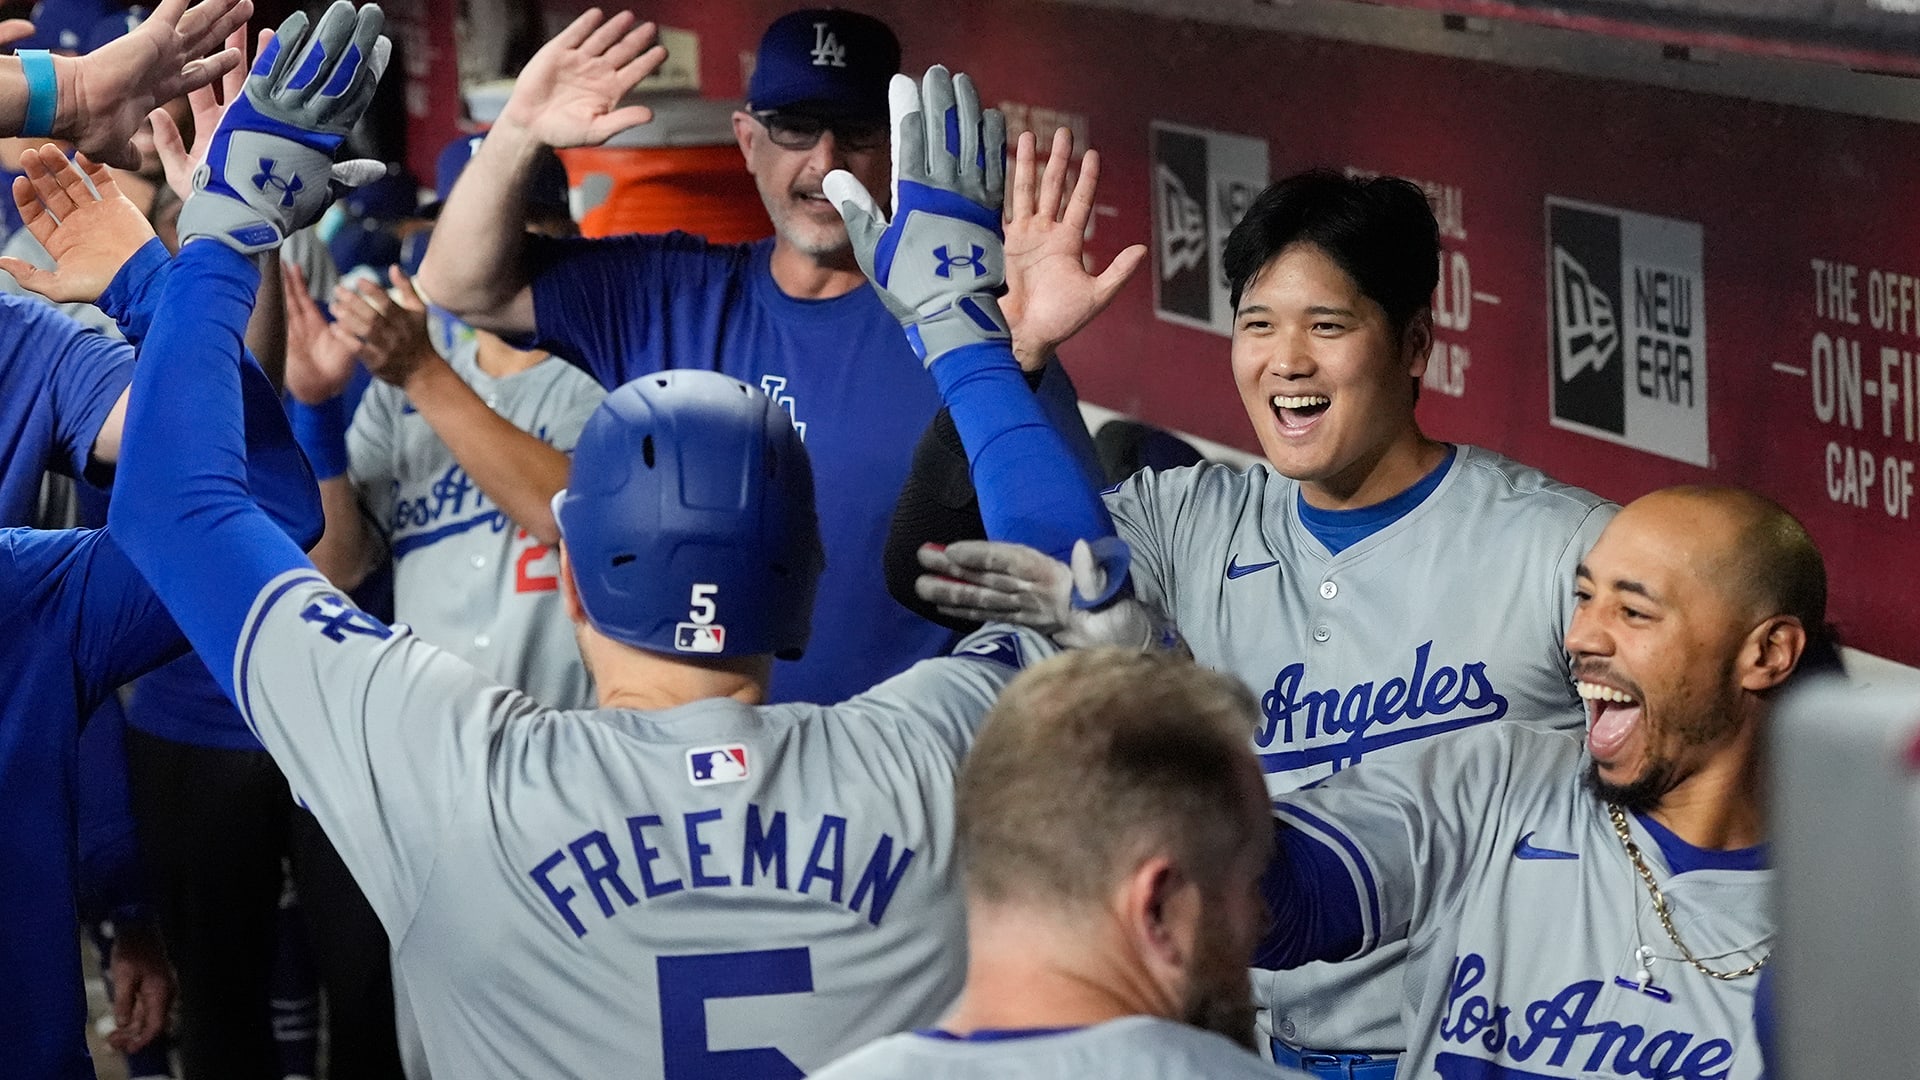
(700, 637)
(709, 765)
(1203, 182)
(1628, 328)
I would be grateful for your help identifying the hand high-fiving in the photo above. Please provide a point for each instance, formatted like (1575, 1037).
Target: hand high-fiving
(569, 93)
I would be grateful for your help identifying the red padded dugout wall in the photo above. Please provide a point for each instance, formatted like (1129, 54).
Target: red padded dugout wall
(1777, 247)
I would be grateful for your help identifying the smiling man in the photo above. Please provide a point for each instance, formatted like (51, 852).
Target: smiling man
(1598, 911)
(1375, 587)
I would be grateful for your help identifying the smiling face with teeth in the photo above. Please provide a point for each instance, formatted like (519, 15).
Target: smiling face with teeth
(1327, 383)
(1673, 647)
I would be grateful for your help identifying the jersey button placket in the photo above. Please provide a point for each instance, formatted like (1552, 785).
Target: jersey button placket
(1328, 590)
(1321, 634)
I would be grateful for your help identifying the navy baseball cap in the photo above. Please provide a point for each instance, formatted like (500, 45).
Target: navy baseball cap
(827, 62)
(546, 193)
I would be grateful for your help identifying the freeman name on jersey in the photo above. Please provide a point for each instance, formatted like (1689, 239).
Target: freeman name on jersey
(666, 856)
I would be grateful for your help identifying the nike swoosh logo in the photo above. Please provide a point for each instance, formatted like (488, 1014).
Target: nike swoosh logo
(1235, 570)
(1525, 850)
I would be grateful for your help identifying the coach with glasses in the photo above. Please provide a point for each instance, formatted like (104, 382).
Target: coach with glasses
(792, 315)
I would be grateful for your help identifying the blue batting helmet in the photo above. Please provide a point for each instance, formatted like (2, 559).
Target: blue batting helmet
(689, 520)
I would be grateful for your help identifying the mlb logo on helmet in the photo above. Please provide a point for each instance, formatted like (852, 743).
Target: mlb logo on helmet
(700, 637)
(708, 765)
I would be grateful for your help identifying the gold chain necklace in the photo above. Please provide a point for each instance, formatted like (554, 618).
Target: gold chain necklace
(1660, 905)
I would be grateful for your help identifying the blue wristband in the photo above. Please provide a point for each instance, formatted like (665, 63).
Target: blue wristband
(43, 92)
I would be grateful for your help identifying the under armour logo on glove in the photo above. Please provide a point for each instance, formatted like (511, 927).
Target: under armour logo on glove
(307, 89)
(949, 177)
(287, 186)
(971, 262)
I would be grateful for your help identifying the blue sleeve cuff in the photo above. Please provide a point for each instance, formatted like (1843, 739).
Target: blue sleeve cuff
(321, 431)
(1314, 910)
(134, 292)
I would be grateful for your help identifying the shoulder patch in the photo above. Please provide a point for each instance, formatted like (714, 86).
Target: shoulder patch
(1002, 648)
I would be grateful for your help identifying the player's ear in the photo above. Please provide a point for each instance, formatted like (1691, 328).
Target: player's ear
(1771, 652)
(1416, 342)
(744, 129)
(1163, 910)
(570, 592)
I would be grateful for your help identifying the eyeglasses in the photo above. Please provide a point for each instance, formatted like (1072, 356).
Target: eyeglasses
(797, 131)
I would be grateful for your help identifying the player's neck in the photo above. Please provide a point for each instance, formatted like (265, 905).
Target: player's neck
(627, 678)
(814, 277)
(1398, 466)
(499, 359)
(1036, 973)
(1721, 807)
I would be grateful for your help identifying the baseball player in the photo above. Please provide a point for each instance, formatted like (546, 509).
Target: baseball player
(456, 461)
(1589, 912)
(1113, 829)
(1340, 583)
(586, 891)
(791, 315)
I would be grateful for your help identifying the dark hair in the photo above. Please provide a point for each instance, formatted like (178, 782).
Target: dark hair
(1379, 230)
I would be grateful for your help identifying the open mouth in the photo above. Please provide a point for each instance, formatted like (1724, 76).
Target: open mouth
(1298, 413)
(1612, 717)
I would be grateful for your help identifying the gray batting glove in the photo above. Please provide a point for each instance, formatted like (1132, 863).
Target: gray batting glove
(940, 262)
(994, 581)
(269, 170)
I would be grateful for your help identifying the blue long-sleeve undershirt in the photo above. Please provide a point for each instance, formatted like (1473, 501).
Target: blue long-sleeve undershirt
(1030, 486)
(1312, 905)
(184, 506)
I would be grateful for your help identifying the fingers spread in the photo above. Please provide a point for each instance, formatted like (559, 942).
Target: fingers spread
(607, 34)
(1026, 179)
(1053, 182)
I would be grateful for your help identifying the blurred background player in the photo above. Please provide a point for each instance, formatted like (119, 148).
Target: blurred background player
(1586, 911)
(1113, 829)
(791, 315)
(455, 461)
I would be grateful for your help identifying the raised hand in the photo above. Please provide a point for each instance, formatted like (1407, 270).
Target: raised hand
(319, 360)
(209, 104)
(105, 94)
(90, 232)
(389, 332)
(993, 581)
(569, 93)
(938, 263)
(270, 167)
(1051, 294)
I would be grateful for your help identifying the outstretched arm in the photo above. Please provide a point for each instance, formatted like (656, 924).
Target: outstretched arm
(100, 98)
(568, 95)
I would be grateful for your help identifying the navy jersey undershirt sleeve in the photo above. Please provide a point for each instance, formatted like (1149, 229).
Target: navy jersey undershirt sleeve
(184, 508)
(1312, 906)
(134, 292)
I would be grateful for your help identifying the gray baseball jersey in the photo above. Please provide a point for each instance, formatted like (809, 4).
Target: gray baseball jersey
(716, 889)
(1136, 1046)
(465, 577)
(1525, 918)
(1448, 618)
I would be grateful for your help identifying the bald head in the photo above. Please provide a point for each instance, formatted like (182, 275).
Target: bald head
(1758, 556)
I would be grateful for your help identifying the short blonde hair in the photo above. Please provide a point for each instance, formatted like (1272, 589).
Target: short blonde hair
(1094, 760)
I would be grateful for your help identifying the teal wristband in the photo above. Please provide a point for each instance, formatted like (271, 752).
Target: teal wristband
(42, 92)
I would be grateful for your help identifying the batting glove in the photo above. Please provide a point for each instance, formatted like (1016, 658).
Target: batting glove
(940, 262)
(1077, 605)
(269, 169)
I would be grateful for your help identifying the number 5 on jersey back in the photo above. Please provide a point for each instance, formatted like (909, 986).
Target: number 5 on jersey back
(687, 983)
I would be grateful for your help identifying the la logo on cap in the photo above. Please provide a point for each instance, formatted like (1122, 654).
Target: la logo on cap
(827, 50)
